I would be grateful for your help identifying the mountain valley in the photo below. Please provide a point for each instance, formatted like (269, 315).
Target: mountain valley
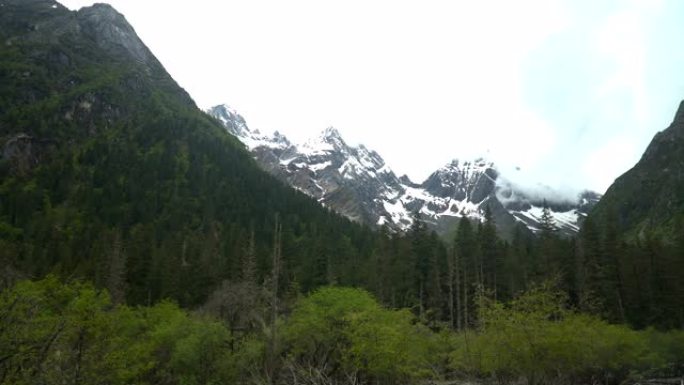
(146, 241)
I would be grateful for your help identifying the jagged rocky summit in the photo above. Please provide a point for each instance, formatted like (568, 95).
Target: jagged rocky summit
(356, 182)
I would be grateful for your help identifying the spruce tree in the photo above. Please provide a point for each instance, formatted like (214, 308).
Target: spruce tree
(588, 271)
(610, 273)
(550, 259)
(546, 222)
(467, 251)
(422, 253)
(490, 251)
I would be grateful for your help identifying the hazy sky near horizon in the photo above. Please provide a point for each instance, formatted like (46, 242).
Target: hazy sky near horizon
(562, 92)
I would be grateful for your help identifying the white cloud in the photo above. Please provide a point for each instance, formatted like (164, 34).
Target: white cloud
(607, 162)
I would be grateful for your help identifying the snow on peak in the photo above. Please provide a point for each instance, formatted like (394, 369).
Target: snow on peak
(235, 124)
(223, 112)
(325, 164)
(226, 109)
(469, 166)
(329, 140)
(231, 120)
(567, 220)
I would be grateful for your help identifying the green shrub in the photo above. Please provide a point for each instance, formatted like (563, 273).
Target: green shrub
(345, 331)
(536, 339)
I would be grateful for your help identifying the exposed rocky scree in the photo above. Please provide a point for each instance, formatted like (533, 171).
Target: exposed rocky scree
(356, 182)
(51, 22)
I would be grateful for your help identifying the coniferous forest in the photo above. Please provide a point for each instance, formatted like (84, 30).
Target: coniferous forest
(141, 244)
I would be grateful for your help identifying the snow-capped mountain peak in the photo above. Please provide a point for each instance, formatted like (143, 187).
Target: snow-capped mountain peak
(331, 133)
(236, 125)
(357, 182)
(231, 120)
(328, 140)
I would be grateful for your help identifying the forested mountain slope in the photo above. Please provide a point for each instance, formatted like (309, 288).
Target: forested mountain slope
(650, 196)
(632, 243)
(109, 171)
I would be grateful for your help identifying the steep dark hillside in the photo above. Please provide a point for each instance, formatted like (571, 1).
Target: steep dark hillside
(633, 241)
(650, 196)
(109, 171)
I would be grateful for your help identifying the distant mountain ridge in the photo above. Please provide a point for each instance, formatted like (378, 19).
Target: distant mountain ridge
(357, 182)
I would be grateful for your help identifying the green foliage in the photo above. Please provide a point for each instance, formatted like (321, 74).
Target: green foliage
(344, 329)
(537, 339)
(195, 350)
(666, 352)
(56, 333)
(387, 345)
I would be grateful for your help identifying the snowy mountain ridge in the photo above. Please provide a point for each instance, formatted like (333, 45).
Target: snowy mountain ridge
(356, 182)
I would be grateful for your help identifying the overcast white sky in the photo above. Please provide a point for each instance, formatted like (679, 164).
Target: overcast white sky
(570, 92)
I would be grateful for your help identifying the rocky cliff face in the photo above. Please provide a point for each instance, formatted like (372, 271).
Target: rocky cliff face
(111, 32)
(77, 70)
(100, 24)
(356, 182)
(352, 180)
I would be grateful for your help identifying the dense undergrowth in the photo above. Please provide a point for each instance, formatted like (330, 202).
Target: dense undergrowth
(72, 334)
